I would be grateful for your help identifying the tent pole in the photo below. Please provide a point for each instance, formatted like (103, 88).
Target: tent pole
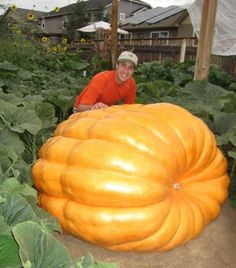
(205, 39)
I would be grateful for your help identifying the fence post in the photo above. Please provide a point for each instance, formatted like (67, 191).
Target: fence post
(182, 51)
(207, 27)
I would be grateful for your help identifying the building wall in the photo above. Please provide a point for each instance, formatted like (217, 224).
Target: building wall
(127, 8)
(53, 24)
(146, 33)
(186, 28)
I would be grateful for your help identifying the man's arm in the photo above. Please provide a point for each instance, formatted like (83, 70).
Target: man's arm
(90, 94)
(85, 107)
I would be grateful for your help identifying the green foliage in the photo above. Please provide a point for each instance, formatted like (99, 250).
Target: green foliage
(219, 77)
(99, 14)
(9, 252)
(35, 252)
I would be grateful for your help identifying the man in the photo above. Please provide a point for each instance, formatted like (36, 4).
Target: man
(108, 87)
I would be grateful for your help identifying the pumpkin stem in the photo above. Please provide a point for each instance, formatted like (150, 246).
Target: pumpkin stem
(176, 186)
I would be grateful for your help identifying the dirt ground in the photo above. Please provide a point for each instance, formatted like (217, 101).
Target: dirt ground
(214, 248)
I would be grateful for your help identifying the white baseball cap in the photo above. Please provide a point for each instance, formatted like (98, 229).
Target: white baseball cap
(128, 56)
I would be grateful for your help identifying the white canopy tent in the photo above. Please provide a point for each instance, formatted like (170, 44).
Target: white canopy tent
(224, 42)
(93, 27)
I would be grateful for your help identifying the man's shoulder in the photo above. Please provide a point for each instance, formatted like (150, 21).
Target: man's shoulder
(105, 74)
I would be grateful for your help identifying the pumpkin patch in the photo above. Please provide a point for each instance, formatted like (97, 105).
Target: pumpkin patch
(132, 177)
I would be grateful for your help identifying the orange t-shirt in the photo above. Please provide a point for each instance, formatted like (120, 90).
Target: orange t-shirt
(104, 88)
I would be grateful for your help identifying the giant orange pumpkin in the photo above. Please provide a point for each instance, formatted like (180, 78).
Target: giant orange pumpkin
(132, 177)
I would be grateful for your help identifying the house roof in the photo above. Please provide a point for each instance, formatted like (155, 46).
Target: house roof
(92, 5)
(20, 17)
(154, 15)
(22, 13)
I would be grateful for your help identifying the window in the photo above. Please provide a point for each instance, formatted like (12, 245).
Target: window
(122, 16)
(159, 35)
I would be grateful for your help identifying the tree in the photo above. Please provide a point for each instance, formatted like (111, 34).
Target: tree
(99, 13)
(77, 19)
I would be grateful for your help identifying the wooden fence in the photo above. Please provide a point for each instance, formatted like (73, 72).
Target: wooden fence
(154, 49)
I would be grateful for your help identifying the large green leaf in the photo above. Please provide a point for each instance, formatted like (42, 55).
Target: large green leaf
(12, 165)
(45, 112)
(11, 139)
(7, 66)
(15, 209)
(200, 96)
(25, 74)
(9, 252)
(25, 171)
(59, 98)
(11, 98)
(232, 154)
(39, 248)
(4, 228)
(225, 127)
(19, 119)
(88, 261)
(7, 158)
(13, 186)
(45, 220)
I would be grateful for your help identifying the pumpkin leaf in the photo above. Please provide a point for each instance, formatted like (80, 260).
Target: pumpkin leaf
(19, 119)
(11, 98)
(232, 154)
(204, 96)
(88, 261)
(59, 98)
(7, 66)
(41, 251)
(9, 256)
(25, 74)
(225, 127)
(13, 186)
(7, 159)
(4, 228)
(12, 139)
(15, 209)
(46, 220)
(45, 112)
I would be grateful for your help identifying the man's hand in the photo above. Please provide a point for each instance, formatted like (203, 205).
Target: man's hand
(98, 105)
(85, 107)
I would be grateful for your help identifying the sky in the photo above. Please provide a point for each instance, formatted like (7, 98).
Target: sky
(48, 5)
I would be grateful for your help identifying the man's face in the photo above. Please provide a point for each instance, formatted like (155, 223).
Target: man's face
(124, 70)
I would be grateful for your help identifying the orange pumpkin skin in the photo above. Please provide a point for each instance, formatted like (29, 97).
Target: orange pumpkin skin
(132, 177)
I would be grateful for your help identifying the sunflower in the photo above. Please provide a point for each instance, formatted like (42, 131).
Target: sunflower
(57, 9)
(15, 26)
(44, 39)
(30, 16)
(13, 7)
(54, 49)
(64, 41)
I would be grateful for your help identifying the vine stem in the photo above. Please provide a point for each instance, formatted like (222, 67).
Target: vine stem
(34, 149)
